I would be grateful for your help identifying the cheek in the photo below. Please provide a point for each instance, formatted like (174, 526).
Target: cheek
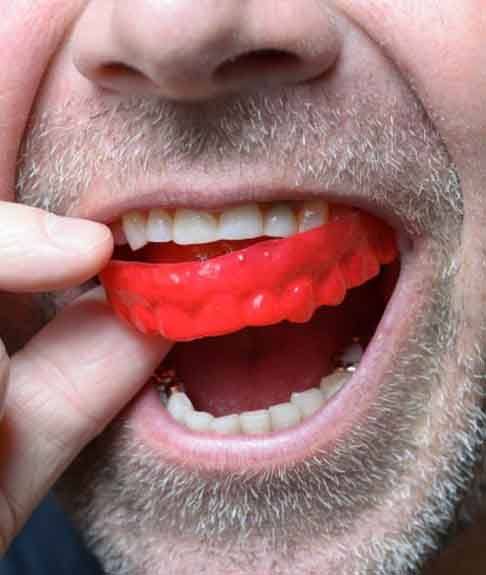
(62, 83)
(440, 47)
(30, 33)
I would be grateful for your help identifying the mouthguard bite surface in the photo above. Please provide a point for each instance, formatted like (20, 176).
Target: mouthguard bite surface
(265, 283)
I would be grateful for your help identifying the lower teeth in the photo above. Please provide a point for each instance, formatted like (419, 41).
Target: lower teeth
(277, 417)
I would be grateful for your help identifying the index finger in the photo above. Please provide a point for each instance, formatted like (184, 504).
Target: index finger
(65, 387)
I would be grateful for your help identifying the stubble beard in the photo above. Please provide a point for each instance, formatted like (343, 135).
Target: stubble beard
(387, 495)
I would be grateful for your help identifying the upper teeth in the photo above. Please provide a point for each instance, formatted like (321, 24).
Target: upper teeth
(185, 226)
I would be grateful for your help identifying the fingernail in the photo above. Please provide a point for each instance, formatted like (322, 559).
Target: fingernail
(75, 233)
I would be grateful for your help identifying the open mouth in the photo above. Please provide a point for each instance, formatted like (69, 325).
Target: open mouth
(272, 307)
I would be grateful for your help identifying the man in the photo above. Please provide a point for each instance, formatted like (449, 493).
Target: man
(351, 131)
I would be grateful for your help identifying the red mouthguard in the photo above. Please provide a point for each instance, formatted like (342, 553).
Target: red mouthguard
(268, 282)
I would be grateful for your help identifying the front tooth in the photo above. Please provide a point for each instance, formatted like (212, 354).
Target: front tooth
(313, 214)
(178, 405)
(331, 384)
(279, 221)
(284, 415)
(226, 425)
(309, 401)
(159, 226)
(253, 422)
(194, 227)
(241, 222)
(198, 420)
(134, 226)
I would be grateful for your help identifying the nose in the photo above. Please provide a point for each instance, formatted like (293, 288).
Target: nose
(200, 49)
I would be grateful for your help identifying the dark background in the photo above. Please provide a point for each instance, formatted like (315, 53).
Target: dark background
(48, 545)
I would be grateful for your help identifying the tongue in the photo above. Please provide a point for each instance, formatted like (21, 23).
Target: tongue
(258, 367)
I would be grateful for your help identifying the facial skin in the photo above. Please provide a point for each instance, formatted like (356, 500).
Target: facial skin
(385, 110)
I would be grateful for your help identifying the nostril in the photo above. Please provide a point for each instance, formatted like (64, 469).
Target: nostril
(255, 64)
(112, 70)
(118, 75)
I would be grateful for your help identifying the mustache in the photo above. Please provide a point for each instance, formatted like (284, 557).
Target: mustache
(389, 152)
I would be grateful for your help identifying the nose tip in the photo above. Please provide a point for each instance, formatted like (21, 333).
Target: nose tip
(199, 49)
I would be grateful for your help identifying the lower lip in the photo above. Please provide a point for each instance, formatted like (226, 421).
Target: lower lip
(174, 443)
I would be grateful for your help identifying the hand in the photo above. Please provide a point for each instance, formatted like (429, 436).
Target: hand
(65, 385)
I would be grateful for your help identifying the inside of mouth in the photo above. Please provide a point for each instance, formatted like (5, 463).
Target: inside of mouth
(260, 367)
(275, 374)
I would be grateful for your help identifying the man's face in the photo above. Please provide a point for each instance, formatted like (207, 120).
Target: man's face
(177, 104)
